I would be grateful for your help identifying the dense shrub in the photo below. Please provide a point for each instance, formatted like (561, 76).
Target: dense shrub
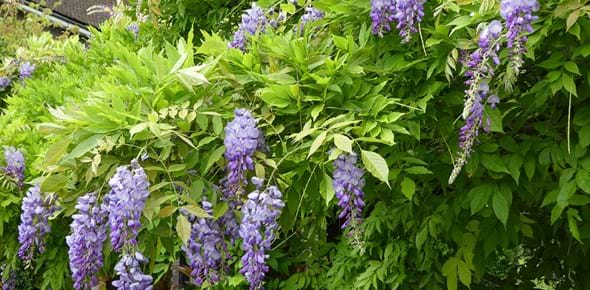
(353, 127)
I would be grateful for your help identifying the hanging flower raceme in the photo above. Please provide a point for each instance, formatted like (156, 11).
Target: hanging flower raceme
(4, 82)
(382, 14)
(124, 204)
(406, 14)
(130, 275)
(10, 282)
(86, 241)
(134, 28)
(311, 14)
(34, 223)
(26, 70)
(253, 21)
(15, 165)
(205, 247)
(257, 230)
(480, 70)
(242, 140)
(348, 183)
(518, 15)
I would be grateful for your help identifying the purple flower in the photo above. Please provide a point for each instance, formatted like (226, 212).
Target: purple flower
(34, 223)
(518, 15)
(257, 229)
(311, 14)
(130, 275)
(134, 28)
(493, 100)
(405, 13)
(382, 14)
(15, 165)
(253, 21)
(480, 69)
(348, 185)
(10, 282)
(408, 13)
(242, 140)
(86, 241)
(25, 70)
(205, 248)
(125, 202)
(4, 82)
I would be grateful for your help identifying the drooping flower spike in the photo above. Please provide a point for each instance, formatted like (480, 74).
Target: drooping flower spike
(242, 139)
(26, 70)
(253, 21)
(257, 230)
(15, 165)
(86, 241)
(205, 247)
(34, 223)
(348, 183)
(124, 204)
(480, 69)
(518, 16)
(406, 14)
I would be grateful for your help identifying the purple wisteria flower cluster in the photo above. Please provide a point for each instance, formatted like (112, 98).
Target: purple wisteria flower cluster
(205, 248)
(10, 282)
(242, 139)
(26, 70)
(4, 82)
(257, 230)
(253, 21)
(124, 204)
(15, 165)
(34, 223)
(130, 275)
(518, 15)
(86, 241)
(134, 28)
(480, 69)
(348, 183)
(310, 14)
(406, 14)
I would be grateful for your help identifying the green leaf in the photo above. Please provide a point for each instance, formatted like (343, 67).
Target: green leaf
(54, 183)
(583, 180)
(584, 134)
(138, 128)
(500, 205)
(408, 188)
(514, 164)
(343, 143)
(493, 163)
(376, 165)
(449, 270)
(176, 167)
(327, 189)
(56, 152)
(480, 195)
(421, 237)
(183, 228)
(569, 84)
(572, 67)
(84, 147)
(464, 273)
(220, 209)
(319, 140)
(417, 170)
(214, 157)
(572, 216)
(196, 211)
(529, 167)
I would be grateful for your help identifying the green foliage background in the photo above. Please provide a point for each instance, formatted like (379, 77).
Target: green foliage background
(517, 216)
